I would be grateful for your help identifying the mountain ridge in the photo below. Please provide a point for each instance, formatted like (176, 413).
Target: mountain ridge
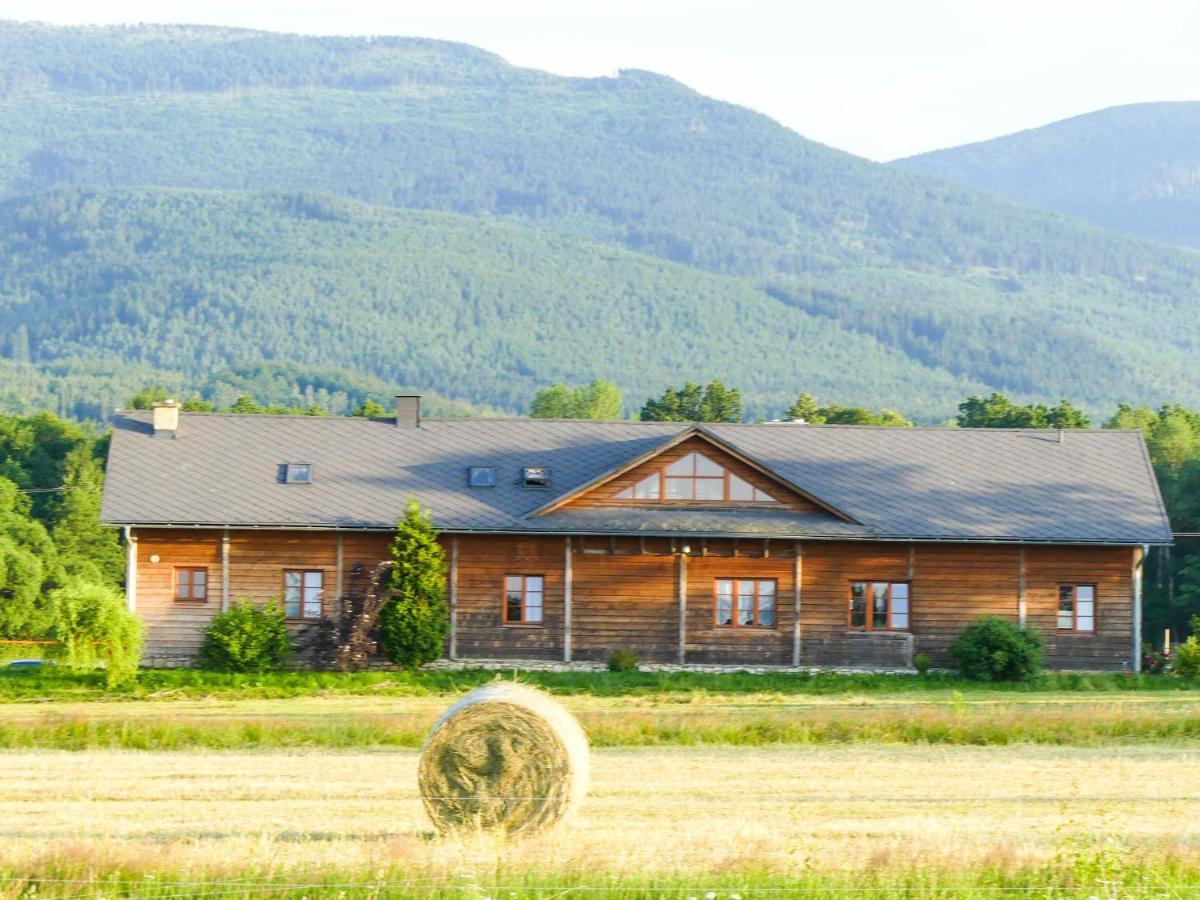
(946, 285)
(1133, 168)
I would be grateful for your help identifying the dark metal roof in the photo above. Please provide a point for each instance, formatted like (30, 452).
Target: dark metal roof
(889, 483)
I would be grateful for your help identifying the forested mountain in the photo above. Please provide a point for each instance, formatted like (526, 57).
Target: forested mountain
(833, 274)
(196, 281)
(1129, 168)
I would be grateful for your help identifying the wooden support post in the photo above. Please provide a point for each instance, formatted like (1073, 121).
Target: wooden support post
(454, 597)
(912, 561)
(682, 608)
(567, 600)
(641, 546)
(797, 580)
(736, 543)
(225, 569)
(766, 548)
(131, 576)
(704, 546)
(612, 546)
(1139, 562)
(1022, 602)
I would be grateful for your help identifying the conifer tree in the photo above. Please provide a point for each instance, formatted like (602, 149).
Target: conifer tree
(414, 624)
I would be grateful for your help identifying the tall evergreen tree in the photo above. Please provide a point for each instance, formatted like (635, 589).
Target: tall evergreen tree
(416, 621)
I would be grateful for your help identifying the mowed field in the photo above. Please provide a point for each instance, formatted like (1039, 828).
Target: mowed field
(747, 794)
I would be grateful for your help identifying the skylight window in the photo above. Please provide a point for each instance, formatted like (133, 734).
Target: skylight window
(481, 476)
(535, 477)
(298, 473)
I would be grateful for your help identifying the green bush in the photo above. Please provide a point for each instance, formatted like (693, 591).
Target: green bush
(995, 649)
(1185, 658)
(623, 661)
(415, 622)
(922, 663)
(246, 638)
(94, 626)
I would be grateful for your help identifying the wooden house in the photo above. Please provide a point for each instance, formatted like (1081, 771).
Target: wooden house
(769, 544)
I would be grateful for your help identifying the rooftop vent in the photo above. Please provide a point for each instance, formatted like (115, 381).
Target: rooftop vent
(166, 418)
(408, 410)
(298, 473)
(481, 476)
(535, 477)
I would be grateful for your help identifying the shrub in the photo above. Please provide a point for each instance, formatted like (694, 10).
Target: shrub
(95, 626)
(1185, 658)
(922, 663)
(623, 661)
(1154, 661)
(246, 638)
(414, 623)
(995, 649)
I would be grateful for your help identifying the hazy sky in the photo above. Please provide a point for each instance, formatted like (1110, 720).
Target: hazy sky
(881, 78)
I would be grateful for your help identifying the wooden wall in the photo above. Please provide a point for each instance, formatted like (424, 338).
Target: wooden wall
(483, 562)
(257, 560)
(174, 629)
(1111, 571)
(626, 594)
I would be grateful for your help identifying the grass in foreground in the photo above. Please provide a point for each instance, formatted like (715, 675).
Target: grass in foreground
(874, 822)
(182, 710)
(352, 722)
(1144, 879)
(59, 684)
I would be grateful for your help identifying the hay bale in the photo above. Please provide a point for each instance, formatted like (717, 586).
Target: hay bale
(506, 758)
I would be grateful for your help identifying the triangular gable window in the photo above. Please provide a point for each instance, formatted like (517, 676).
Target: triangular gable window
(695, 477)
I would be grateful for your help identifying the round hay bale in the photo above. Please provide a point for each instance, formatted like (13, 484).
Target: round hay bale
(506, 758)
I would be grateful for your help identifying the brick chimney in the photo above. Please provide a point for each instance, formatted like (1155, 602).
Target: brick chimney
(166, 418)
(408, 410)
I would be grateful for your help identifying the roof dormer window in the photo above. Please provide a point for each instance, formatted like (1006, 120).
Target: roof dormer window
(481, 476)
(697, 478)
(298, 473)
(535, 476)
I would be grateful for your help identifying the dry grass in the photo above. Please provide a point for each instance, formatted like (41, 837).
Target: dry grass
(651, 811)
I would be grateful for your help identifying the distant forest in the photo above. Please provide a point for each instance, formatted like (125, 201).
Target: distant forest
(176, 202)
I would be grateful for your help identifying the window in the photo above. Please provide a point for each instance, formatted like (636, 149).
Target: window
(745, 602)
(481, 476)
(302, 590)
(523, 596)
(1077, 607)
(535, 476)
(191, 583)
(694, 477)
(879, 605)
(298, 473)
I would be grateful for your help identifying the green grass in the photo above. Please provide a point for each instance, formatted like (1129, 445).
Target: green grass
(927, 724)
(1080, 871)
(185, 709)
(52, 684)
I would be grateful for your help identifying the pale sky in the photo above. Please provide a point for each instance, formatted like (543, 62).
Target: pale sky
(880, 78)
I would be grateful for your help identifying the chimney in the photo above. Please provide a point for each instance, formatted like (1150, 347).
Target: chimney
(166, 418)
(408, 410)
